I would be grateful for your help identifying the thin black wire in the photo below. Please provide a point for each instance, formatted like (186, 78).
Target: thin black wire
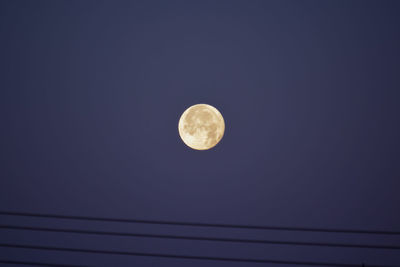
(195, 224)
(31, 263)
(187, 257)
(197, 238)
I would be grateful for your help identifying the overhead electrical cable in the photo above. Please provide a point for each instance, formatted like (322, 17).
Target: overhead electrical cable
(199, 224)
(199, 238)
(185, 257)
(35, 263)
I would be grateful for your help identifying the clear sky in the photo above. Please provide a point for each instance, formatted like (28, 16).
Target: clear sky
(90, 97)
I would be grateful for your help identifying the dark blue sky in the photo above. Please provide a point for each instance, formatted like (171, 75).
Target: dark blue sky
(90, 97)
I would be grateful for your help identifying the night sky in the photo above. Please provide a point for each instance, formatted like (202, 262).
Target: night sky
(90, 97)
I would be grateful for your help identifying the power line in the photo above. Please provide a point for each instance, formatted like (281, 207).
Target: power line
(196, 224)
(31, 263)
(198, 238)
(185, 257)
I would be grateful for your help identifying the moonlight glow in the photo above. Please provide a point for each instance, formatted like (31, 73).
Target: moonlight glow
(201, 126)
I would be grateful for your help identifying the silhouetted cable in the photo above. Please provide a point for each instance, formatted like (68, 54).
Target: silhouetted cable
(31, 263)
(198, 238)
(186, 257)
(195, 224)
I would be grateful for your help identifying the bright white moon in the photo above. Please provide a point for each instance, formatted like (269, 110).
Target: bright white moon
(201, 126)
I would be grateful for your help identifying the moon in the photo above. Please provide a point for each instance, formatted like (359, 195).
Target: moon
(201, 127)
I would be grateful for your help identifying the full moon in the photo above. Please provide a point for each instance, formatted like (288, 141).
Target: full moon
(201, 126)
